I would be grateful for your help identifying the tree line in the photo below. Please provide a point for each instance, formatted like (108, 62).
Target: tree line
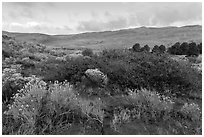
(189, 49)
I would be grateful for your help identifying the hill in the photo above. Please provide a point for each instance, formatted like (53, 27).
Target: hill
(116, 39)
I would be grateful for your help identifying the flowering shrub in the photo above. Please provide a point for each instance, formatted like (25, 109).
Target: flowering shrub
(95, 75)
(157, 111)
(192, 111)
(41, 109)
(149, 105)
(27, 104)
(12, 81)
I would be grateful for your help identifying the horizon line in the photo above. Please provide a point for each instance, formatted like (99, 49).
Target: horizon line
(148, 27)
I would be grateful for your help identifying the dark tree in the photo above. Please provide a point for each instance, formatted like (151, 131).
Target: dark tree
(184, 48)
(146, 48)
(175, 49)
(162, 48)
(193, 49)
(136, 47)
(156, 49)
(200, 48)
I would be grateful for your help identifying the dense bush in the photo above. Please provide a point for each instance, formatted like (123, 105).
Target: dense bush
(136, 47)
(12, 81)
(200, 48)
(6, 54)
(162, 48)
(42, 111)
(156, 49)
(146, 48)
(125, 69)
(175, 49)
(189, 49)
(155, 113)
(87, 52)
(184, 48)
(38, 110)
(193, 49)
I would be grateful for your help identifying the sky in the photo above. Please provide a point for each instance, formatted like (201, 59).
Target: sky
(72, 18)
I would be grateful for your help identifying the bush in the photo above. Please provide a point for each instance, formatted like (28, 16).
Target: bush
(200, 48)
(12, 81)
(6, 54)
(146, 48)
(191, 111)
(27, 105)
(184, 48)
(189, 49)
(154, 112)
(156, 49)
(175, 49)
(41, 110)
(87, 52)
(193, 49)
(126, 69)
(162, 48)
(136, 47)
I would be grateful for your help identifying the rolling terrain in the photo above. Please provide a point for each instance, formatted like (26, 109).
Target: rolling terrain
(116, 39)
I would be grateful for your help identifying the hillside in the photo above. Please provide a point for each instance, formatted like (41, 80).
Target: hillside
(116, 39)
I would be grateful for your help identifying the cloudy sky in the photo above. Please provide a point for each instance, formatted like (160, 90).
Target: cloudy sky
(69, 18)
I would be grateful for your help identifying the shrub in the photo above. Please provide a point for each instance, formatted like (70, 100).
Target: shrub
(136, 47)
(193, 49)
(175, 49)
(192, 111)
(126, 69)
(27, 105)
(162, 48)
(154, 111)
(42, 110)
(184, 48)
(156, 49)
(146, 48)
(143, 106)
(150, 102)
(189, 49)
(87, 52)
(200, 48)
(6, 54)
(12, 81)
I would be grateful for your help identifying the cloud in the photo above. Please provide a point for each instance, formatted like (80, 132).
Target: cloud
(58, 18)
(164, 14)
(37, 27)
(94, 25)
(147, 14)
(107, 14)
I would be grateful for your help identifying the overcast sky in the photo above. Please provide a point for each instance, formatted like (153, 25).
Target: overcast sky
(68, 18)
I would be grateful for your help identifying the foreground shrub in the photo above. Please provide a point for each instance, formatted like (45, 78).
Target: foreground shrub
(155, 113)
(192, 111)
(12, 81)
(40, 110)
(26, 106)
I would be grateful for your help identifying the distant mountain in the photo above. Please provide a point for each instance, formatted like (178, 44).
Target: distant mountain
(116, 39)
